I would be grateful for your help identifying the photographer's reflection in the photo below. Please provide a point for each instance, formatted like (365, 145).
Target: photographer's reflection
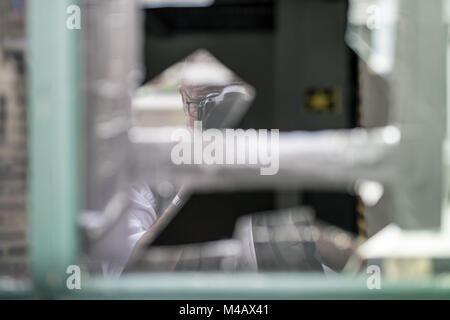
(210, 94)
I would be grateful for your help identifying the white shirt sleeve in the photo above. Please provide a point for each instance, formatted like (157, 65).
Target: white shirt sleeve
(113, 250)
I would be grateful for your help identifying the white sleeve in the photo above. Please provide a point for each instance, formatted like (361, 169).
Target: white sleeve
(114, 249)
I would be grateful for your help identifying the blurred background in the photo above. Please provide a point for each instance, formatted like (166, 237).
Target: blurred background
(89, 94)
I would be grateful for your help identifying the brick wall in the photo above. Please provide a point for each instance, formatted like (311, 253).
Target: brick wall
(13, 156)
